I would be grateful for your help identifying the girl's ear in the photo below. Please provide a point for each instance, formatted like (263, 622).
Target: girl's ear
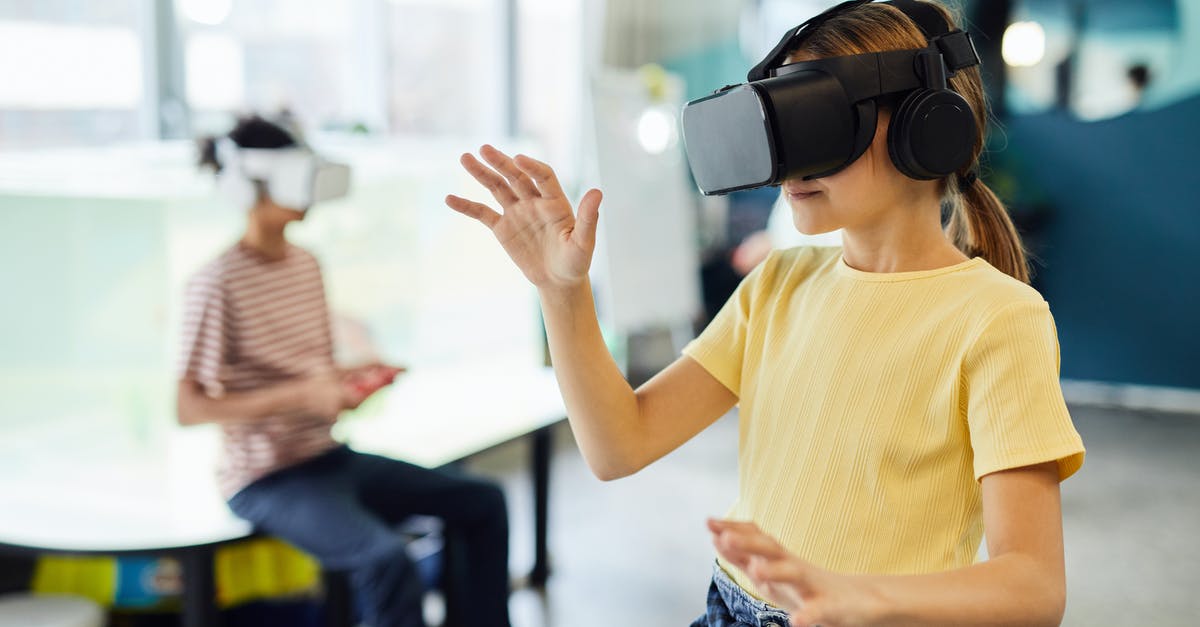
(882, 125)
(878, 151)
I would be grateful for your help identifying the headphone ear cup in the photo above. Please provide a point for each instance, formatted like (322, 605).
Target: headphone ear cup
(899, 147)
(932, 134)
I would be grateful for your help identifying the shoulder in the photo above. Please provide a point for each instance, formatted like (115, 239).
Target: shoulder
(999, 304)
(302, 257)
(793, 265)
(994, 291)
(301, 253)
(214, 274)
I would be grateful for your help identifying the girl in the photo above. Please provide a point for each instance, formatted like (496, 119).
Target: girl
(898, 395)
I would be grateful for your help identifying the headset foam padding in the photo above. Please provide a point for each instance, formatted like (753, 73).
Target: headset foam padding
(932, 134)
(238, 191)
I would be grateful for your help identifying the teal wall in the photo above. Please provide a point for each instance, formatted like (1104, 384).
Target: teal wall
(1122, 241)
(707, 70)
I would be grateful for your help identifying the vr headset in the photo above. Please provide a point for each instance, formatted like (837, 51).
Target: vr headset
(813, 118)
(293, 177)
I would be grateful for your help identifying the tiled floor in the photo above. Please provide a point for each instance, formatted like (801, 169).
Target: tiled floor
(634, 552)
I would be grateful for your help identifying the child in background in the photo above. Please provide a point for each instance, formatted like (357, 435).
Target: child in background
(258, 361)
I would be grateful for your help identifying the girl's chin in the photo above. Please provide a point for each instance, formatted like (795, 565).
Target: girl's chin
(811, 227)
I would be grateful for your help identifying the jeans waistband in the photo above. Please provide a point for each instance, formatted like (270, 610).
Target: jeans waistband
(743, 606)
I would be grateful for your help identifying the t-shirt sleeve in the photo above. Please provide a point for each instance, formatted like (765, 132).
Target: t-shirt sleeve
(720, 349)
(1015, 408)
(204, 344)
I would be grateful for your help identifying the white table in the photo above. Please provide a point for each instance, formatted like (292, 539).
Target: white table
(122, 499)
(162, 499)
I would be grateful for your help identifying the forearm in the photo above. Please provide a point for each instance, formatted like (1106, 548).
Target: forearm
(1011, 589)
(195, 407)
(601, 406)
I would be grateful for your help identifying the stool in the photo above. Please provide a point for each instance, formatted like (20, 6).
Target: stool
(27, 610)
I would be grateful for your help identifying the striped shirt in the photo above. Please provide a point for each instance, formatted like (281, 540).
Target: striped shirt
(250, 323)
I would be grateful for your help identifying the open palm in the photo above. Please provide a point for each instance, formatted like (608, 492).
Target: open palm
(550, 244)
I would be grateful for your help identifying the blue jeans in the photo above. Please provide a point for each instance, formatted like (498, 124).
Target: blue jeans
(342, 507)
(731, 606)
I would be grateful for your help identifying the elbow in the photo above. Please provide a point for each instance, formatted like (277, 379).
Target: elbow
(1055, 606)
(186, 413)
(610, 467)
(183, 416)
(1051, 596)
(608, 473)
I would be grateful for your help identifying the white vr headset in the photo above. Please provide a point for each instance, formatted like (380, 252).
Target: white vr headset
(294, 177)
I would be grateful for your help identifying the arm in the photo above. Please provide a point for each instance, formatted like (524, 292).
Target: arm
(313, 396)
(1022, 583)
(619, 430)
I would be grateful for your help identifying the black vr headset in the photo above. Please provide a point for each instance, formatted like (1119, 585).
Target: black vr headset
(814, 118)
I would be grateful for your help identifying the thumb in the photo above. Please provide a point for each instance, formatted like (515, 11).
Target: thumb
(587, 219)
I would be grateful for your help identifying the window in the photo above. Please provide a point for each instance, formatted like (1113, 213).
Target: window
(73, 73)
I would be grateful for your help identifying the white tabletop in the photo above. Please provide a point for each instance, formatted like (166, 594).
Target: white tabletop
(163, 495)
(116, 498)
(434, 417)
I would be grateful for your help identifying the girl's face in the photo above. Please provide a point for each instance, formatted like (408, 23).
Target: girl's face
(858, 196)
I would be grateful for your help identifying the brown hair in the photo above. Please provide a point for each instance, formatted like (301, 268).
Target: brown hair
(979, 224)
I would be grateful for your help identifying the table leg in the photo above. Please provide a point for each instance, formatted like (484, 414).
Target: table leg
(338, 599)
(542, 448)
(199, 589)
(453, 569)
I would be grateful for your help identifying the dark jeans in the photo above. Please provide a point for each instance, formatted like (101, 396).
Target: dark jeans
(343, 506)
(731, 606)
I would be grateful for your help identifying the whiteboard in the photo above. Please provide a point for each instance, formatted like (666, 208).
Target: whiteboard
(646, 268)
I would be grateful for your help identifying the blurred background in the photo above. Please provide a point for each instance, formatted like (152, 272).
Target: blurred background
(103, 215)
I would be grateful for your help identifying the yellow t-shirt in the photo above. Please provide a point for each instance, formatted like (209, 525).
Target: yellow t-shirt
(872, 403)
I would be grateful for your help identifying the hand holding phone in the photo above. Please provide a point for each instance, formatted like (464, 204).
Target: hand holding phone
(361, 383)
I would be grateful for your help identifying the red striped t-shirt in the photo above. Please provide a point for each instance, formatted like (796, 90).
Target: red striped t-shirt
(251, 322)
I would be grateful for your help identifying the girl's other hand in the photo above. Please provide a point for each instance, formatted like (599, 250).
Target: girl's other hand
(811, 595)
(550, 244)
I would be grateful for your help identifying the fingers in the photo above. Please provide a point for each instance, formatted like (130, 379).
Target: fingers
(789, 579)
(472, 209)
(740, 549)
(488, 177)
(789, 571)
(588, 219)
(520, 182)
(745, 537)
(542, 174)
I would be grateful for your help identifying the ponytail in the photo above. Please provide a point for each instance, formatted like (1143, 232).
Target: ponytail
(980, 226)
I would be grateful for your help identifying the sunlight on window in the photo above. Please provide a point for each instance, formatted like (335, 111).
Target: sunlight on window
(215, 71)
(210, 12)
(52, 66)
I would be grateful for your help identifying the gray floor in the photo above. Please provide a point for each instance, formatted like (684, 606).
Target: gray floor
(635, 552)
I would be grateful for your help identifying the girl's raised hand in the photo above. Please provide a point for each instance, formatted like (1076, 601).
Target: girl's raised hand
(549, 243)
(811, 595)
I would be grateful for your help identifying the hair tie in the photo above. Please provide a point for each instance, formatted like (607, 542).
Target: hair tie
(968, 179)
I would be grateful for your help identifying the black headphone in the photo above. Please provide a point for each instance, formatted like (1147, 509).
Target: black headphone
(932, 132)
